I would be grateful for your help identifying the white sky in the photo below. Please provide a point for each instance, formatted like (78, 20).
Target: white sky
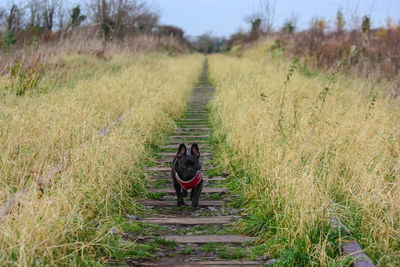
(224, 17)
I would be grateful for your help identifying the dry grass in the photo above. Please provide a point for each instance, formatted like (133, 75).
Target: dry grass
(86, 41)
(374, 54)
(69, 224)
(339, 160)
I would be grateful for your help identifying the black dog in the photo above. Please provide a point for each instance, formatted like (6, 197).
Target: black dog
(186, 174)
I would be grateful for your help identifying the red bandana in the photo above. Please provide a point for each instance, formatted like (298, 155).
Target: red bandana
(191, 183)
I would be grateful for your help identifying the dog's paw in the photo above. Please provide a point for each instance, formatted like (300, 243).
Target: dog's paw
(195, 204)
(181, 203)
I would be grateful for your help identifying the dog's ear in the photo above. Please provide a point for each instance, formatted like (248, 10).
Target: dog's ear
(195, 150)
(181, 150)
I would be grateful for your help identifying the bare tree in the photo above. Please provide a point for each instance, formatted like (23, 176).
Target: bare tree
(116, 17)
(352, 10)
(43, 13)
(12, 25)
(267, 11)
(61, 15)
(3, 18)
(14, 18)
(11, 17)
(49, 7)
(340, 21)
(34, 7)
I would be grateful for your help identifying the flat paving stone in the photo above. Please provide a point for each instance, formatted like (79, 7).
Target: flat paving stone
(204, 129)
(165, 203)
(158, 169)
(203, 263)
(188, 133)
(208, 190)
(191, 119)
(202, 122)
(194, 121)
(188, 125)
(193, 126)
(178, 142)
(196, 115)
(189, 220)
(190, 136)
(193, 131)
(201, 239)
(353, 249)
(169, 159)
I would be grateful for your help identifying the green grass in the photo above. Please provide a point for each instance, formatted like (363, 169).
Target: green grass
(168, 244)
(186, 251)
(217, 196)
(144, 229)
(215, 172)
(155, 195)
(206, 230)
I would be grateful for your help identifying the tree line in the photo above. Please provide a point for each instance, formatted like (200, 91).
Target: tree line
(44, 20)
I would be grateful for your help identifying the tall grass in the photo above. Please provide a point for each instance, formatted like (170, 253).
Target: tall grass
(339, 160)
(369, 53)
(69, 222)
(86, 41)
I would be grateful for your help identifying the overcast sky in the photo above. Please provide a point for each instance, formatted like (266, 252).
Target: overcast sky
(224, 17)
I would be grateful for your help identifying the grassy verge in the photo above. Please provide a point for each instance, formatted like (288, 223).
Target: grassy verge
(69, 224)
(302, 148)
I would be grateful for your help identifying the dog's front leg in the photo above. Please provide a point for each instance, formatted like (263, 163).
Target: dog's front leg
(179, 193)
(195, 194)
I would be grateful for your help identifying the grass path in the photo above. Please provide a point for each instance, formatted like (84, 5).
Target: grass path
(187, 236)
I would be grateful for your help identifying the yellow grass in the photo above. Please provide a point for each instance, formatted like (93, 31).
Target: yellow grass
(74, 214)
(344, 162)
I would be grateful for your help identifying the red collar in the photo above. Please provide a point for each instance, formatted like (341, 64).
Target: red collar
(191, 183)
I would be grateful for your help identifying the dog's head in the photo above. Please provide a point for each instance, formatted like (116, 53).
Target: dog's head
(187, 165)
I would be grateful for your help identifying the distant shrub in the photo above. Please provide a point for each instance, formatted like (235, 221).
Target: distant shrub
(289, 27)
(369, 52)
(236, 50)
(9, 39)
(277, 45)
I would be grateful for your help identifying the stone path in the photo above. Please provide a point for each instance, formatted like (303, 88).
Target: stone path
(196, 233)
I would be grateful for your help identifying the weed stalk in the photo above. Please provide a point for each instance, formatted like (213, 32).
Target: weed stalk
(292, 68)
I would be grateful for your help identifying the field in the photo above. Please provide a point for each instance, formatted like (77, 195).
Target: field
(304, 146)
(199, 133)
(101, 117)
(301, 148)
